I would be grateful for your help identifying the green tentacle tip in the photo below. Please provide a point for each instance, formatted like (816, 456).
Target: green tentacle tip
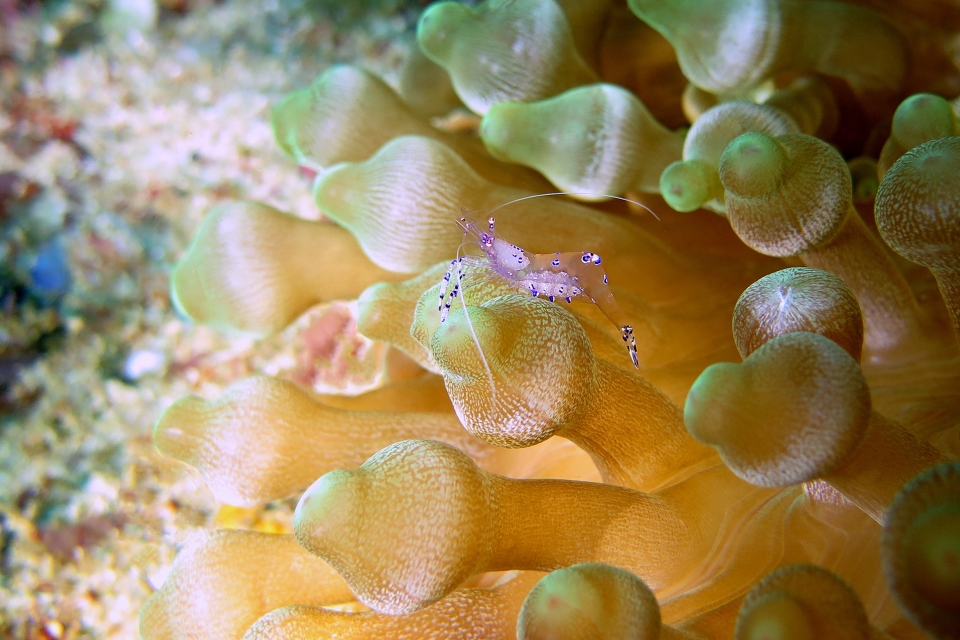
(436, 28)
(921, 549)
(923, 117)
(687, 185)
(752, 165)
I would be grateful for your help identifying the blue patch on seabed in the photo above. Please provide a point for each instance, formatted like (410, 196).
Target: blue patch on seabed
(50, 273)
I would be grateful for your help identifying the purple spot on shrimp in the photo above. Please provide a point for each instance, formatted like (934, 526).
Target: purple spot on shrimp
(555, 263)
(586, 257)
(569, 299)
(596, 259)
(604, 278)
(551, 298)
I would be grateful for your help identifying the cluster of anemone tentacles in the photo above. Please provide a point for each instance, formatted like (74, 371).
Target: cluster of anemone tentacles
(793, 478)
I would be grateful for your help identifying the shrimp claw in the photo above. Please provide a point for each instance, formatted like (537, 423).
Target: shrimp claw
(626, 332)
(446, 281)
(445, 311)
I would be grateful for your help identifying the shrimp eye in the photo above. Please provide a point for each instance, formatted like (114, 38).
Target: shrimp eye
(586, 257)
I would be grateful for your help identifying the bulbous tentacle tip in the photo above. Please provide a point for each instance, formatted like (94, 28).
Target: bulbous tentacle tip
(324, 510)
(921, 549)
(776, 616)
(198, 289)
(223, 580)
(329, 120)
(804, 393)
(918, 204)
(918, 214)
(933, 550)
(334, 190)
(705, 396)
(173, 433)
(687, 185)
(467, 340)
(589, 601)
(437, 29)
(211, 437)
(801, 602)
(497, 129)
(798, 299)
(517, 368)
(923, 117)
(788, 195)
(186, 295)
(752, 166)
(382, 506)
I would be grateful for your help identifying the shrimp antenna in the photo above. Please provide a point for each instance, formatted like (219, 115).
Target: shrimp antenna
(574, 193)
(473, 332)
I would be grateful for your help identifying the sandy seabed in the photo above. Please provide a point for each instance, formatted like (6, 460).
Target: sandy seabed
(115, 152)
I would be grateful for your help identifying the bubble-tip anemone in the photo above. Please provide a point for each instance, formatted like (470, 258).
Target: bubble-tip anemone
(412, 512)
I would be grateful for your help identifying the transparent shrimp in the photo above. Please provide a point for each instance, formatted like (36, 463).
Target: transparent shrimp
(568, 276)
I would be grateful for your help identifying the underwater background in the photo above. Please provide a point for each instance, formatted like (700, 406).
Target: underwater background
(129, 326)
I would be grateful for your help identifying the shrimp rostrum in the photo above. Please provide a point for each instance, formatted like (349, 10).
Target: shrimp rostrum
(576, 275)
